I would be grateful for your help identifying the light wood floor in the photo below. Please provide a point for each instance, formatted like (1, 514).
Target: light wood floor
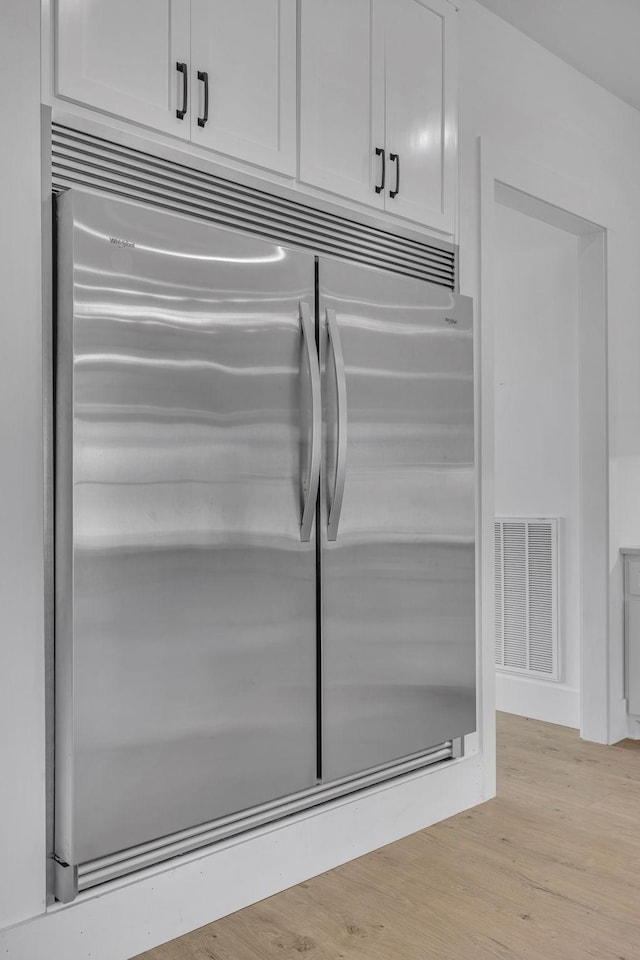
(550, 870)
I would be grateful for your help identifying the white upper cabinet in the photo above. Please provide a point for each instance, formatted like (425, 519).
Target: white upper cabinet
(375, 106)
(420, 111)
(380, 75)
(221, 73)
(121, 56)
(243, 69)
(342, 98)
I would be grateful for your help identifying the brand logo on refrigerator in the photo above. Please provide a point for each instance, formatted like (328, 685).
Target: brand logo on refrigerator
(121, 244)
(452, 321)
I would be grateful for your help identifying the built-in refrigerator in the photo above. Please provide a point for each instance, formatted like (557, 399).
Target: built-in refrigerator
(265, 527)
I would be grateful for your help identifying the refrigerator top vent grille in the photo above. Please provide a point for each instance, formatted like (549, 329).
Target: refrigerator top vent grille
(82, 159)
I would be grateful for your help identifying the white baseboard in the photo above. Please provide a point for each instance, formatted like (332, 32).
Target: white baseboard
(538, 699)
(121, 920)
(633, 728)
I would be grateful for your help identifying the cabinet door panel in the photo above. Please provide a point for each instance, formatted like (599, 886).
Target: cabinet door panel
(248, 50)
(120, 57)
(342, 97)
(420, 126)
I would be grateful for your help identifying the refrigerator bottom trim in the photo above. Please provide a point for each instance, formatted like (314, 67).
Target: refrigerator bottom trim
(134, 859)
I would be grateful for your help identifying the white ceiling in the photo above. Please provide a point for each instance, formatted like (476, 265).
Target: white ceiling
(601, 38)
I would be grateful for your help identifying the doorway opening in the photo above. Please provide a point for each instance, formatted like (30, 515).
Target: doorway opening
(548, 325)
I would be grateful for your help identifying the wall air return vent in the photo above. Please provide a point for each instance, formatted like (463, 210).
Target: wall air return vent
(526, 596)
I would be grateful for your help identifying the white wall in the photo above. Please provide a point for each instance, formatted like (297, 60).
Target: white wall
(537, 427)
(22, 735)
(586, 144)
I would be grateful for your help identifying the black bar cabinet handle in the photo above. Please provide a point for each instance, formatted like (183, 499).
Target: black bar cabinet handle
(182, 68)
(396, 157)
(204, 76)
(380, 153)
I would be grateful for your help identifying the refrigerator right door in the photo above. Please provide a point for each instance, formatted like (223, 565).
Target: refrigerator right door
(397, 517)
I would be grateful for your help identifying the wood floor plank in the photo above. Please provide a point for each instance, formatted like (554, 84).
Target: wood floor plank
(549, 870)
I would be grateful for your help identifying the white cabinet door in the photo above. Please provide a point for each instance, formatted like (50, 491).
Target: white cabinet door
(244, 51)
(342, 97)
(120, 56)
(420, 115)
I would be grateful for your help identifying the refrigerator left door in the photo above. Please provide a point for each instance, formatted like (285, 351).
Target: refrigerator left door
(186, 597)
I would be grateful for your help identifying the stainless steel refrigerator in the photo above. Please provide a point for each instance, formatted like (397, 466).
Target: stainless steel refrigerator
(264, 526)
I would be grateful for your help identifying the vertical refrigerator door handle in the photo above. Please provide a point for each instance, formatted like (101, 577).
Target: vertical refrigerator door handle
(341, 454)
(309, 509)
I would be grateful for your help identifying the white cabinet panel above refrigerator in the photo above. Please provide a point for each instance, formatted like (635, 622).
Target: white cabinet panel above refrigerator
(243, 66)
(342, 98)
(378, 105)
(127, 59)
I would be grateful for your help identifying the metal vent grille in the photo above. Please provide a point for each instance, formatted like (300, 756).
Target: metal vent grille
(526, 596)
(82, 159)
